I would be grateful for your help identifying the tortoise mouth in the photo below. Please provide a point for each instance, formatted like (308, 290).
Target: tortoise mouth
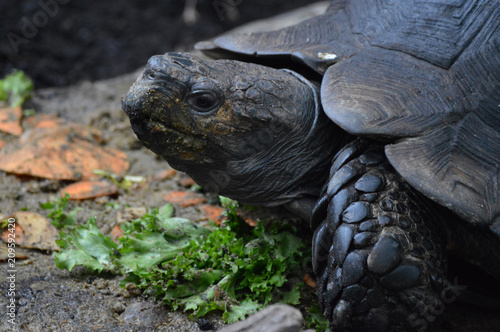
(176, 147)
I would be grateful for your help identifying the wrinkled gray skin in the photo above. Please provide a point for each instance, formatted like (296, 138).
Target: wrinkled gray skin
(249, 132)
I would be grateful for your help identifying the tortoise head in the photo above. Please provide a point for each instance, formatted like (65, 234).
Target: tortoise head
(249, 132)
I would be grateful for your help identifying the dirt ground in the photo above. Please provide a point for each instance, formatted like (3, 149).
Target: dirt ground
(50, 299)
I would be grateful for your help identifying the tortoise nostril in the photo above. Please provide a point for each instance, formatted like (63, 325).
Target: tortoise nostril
(155, 62)
(154, 65)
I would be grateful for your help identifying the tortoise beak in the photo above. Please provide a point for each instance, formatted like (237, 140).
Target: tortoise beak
(133, 104)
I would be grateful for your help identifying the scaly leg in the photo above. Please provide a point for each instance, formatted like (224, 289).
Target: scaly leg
(378, 252)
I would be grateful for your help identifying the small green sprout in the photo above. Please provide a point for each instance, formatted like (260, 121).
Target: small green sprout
(123, 182)
(15, 88)
(4, 223)
(315, 319)
(58, 215)
(228, 202)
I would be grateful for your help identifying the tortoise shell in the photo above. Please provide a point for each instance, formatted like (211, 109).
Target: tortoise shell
(422, 75)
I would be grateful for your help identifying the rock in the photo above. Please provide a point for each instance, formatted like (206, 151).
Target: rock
(274, 318)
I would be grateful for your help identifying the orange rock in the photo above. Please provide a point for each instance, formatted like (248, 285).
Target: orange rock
(2, 143)
(52, 121)
(184, 198)
(188, 182)
(42, 121)
(62, 152)
(309, 281)
(10, 120)
(116, 233)
(89, 189)
(213, 213)
(250, 221)
(165, 174)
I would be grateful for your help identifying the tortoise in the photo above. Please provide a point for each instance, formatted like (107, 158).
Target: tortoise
(378, 122)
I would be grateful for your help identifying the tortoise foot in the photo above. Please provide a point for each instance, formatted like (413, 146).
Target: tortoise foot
(377, 254)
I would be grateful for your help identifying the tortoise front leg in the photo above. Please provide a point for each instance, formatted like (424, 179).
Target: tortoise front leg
(378, 252)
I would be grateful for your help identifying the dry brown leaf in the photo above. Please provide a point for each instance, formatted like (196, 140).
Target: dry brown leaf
(10, 120)
(89, 189)
(62, 152)
(38, 231)
(4, 253)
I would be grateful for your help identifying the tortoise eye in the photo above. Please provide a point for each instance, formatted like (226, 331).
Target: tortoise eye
(204, 101)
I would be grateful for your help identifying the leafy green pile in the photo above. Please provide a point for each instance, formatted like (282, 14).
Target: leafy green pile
(233, 268)
(15, 88)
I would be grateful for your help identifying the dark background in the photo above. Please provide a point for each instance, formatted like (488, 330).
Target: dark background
(91, 40)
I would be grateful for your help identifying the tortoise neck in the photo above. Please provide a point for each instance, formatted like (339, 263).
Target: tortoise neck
(293, 168)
